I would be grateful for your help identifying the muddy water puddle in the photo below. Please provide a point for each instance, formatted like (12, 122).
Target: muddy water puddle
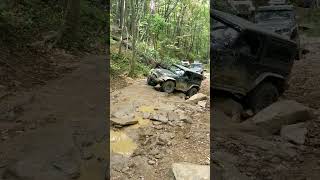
(93, 169)
(121, 142)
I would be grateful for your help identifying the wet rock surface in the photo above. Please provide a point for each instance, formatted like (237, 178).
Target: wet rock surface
(45, 130)
(169, 130)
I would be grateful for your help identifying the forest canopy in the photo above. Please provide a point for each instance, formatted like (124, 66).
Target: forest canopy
(161, 30)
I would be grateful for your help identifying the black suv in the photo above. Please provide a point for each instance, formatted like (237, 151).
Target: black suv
(252, 63)
(175, 77)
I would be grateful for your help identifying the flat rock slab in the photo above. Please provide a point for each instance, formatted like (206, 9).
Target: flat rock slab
(188, 171)
(295, 133)
(197, 97)
(124, 121)
(282, 113)
(202, 103)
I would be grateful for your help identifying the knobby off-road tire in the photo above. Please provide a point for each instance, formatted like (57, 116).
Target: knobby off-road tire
(192, 91)
(262, 96)
(168, 86)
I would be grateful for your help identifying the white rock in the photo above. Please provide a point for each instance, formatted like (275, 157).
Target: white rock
(188, 171)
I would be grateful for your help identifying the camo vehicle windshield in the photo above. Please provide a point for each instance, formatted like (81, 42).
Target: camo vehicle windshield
(263, 16)
(176, 70)
(223, 35)
(196, 66)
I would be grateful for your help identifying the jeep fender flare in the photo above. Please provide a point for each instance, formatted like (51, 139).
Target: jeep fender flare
(264, 76)
(196, 86)
(163, 79)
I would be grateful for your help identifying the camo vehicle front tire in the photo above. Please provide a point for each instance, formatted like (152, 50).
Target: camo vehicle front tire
(262, 96)
(192, 91)
(168, 86)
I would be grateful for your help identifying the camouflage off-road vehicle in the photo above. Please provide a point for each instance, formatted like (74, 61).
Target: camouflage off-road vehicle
(280, 19)
(251, 63)
(176, 77)
(244, 8)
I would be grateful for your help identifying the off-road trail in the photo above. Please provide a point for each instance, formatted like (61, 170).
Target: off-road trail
(151, 130)
(57, 131)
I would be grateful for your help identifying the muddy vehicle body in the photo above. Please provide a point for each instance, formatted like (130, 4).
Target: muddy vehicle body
(175, 77)
(280, 19)
(197, 67)
(244, 8)
(249, 62)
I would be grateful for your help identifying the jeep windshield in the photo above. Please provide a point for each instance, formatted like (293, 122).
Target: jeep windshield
(263, 16)
(196, 66)
(223, 35)
(176, 70)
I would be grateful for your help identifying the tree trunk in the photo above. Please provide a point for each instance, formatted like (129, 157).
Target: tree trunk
(121, 23)
(70, 29)
(133, 32)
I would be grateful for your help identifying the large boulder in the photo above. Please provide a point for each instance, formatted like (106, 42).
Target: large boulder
(197, 97)
(295, 133)
(185, 171)
(231, 108)
(282, 113)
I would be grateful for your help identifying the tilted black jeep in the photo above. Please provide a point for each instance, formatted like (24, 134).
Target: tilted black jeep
(251, 63)
(176, 77)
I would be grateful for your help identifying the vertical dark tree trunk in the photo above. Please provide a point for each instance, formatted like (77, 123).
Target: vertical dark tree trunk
(70, 29)
(134, 39)
(122, 10)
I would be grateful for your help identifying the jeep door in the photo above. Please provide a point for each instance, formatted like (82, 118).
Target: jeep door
(278, 56)
(228, 67)
(182, 81)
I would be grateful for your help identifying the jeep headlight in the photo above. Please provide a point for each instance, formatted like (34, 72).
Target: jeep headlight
(151, 71)
(284, 30)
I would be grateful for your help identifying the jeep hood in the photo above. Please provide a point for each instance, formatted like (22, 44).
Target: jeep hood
(165, 72)
(276, 25)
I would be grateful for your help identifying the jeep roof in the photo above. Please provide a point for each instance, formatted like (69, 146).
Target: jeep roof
(241, 25)
(186, 69)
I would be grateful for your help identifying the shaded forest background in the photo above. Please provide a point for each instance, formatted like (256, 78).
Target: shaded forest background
(145, 32)
(36, 35)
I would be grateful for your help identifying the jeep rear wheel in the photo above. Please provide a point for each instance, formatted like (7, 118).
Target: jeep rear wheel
(192, 91)
(262, 96)
(168, 86)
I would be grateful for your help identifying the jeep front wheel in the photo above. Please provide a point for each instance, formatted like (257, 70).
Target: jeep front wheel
(262, 96)
(168, 86)
(192, 91)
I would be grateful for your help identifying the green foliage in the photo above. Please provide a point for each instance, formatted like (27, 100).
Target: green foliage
(29, 20)
(178, 29)
(119, 64)
(157, 23)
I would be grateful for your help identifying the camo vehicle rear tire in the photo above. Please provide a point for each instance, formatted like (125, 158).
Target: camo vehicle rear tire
(192, 91)
(168, 86)
(262, 96)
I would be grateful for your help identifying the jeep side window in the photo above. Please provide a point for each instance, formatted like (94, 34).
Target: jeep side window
(250, 43)
(222, 35)
(276, 51)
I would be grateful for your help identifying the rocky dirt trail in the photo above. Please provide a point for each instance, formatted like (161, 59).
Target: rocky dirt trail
(280, 142)
(57, 131)
(153, 130)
